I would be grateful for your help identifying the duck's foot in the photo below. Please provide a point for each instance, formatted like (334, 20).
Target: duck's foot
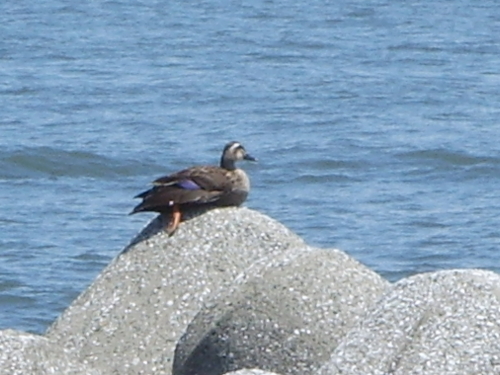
(174, 221)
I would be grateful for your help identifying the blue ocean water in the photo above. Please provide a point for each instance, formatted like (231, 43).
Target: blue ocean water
(375, 124)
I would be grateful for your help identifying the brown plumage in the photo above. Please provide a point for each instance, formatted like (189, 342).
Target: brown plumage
(198, 186)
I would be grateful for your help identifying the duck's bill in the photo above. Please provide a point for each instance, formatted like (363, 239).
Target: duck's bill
(249, 157)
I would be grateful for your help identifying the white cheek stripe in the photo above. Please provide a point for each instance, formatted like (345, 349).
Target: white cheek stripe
(235, 146)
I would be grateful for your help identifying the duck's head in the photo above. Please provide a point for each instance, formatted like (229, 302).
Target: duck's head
(233, 152)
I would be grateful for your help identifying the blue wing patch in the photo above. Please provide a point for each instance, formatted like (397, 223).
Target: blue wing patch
(188, 185)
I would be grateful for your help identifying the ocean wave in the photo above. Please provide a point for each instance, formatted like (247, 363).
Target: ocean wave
(448, 157)
(48, 162)
(460, 164)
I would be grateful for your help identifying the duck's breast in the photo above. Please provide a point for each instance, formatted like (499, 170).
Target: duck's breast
(238, 189)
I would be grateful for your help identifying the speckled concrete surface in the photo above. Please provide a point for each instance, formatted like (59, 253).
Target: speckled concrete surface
(129, 320)
(250, 372)
(26, 354)
(442, 323)
(286, 314)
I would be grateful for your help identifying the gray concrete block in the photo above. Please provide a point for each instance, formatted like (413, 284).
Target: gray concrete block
(23, 353)
(286, 313)
(130, 319)
(250, 372)
(440, 323)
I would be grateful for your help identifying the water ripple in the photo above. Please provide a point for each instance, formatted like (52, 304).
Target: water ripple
(457, 165)
(448, 157)
(36, 162)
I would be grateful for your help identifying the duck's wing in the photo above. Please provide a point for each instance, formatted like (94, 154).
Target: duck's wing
(208, 178)
(197, 185)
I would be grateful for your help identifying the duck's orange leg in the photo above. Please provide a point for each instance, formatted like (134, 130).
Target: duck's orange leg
(175, 220)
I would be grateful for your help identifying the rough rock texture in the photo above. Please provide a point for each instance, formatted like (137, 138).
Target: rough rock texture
(23, 353)
(250, 372)
(264, 299)
(286, 314)
(130, 319)
(446, 322)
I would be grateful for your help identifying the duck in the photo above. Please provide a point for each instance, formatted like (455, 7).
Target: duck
(199, 186)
